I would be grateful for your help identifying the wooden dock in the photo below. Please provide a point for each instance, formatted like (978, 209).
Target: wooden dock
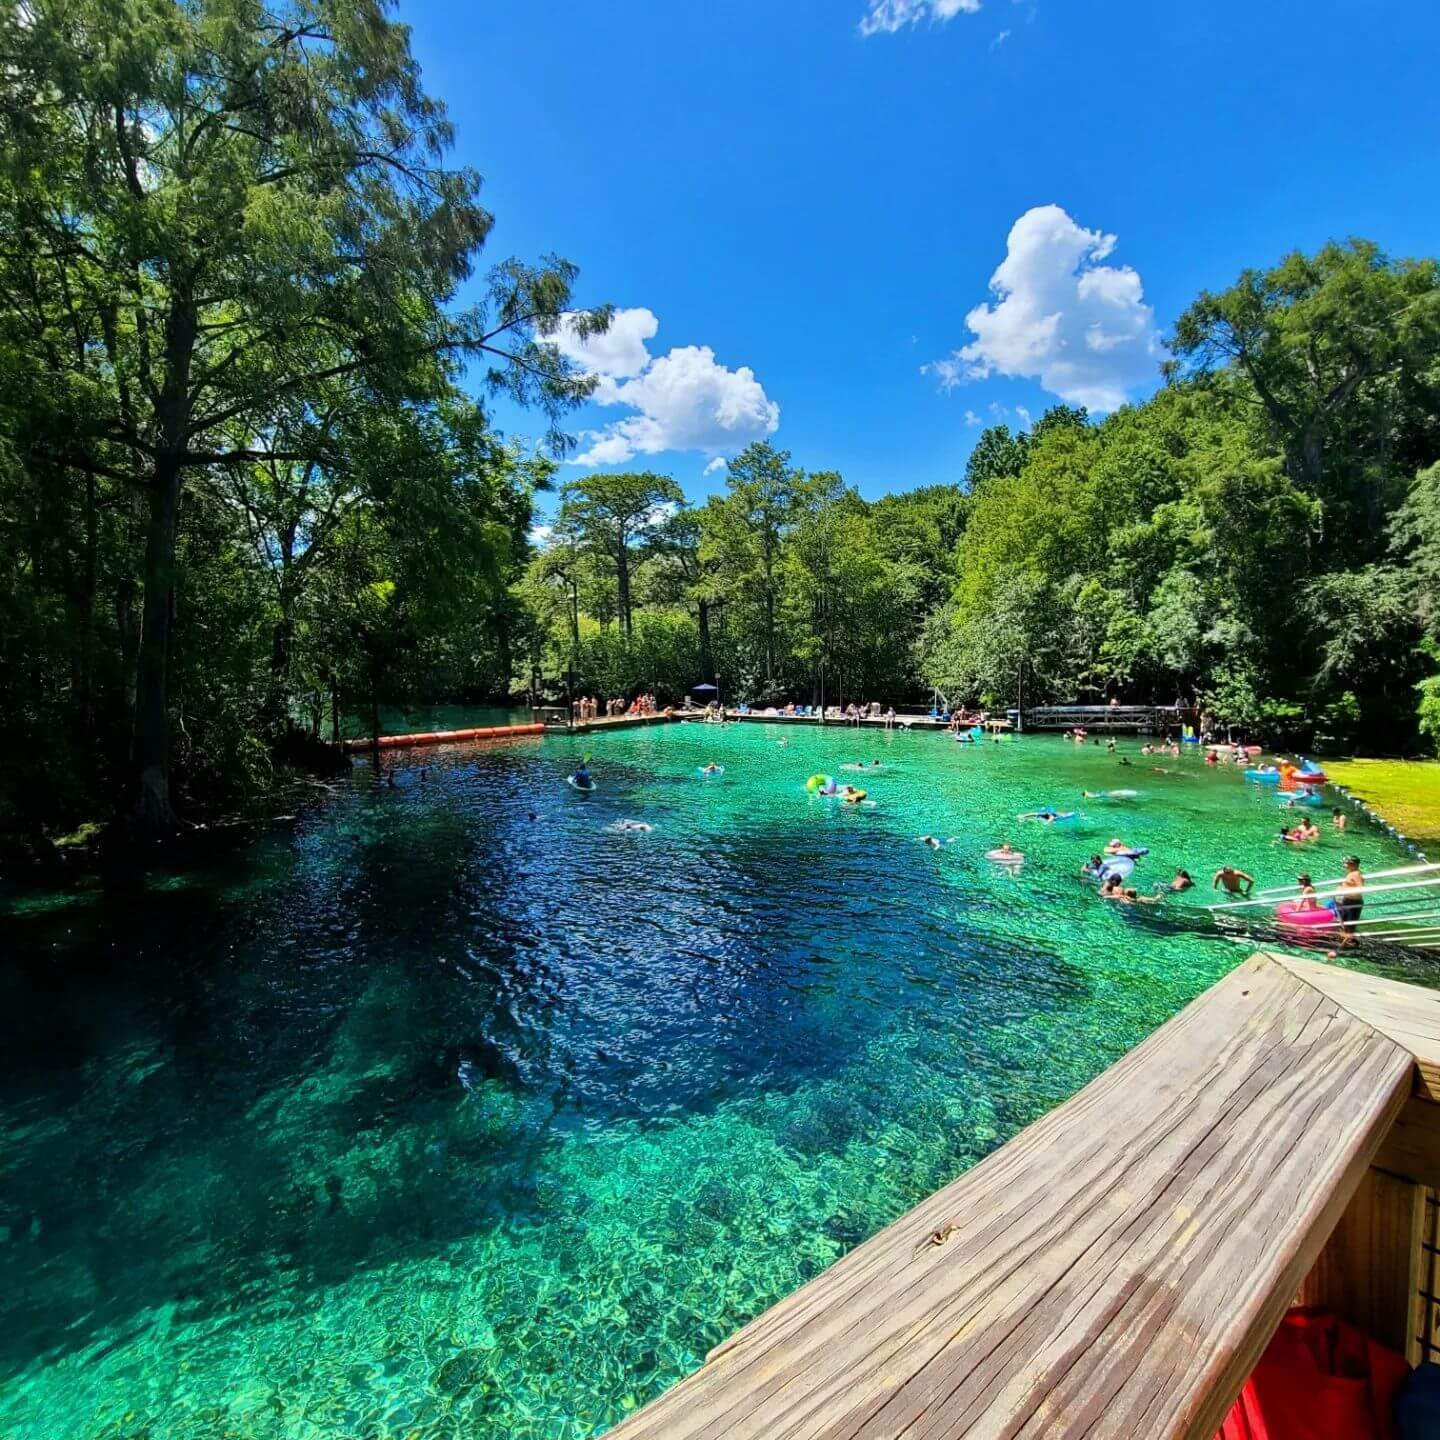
(1117, 1268)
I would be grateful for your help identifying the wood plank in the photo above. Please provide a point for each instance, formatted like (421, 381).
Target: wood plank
(1408, 1014)
(1369, 1272)
(1194, 1183)
(1412, 1148)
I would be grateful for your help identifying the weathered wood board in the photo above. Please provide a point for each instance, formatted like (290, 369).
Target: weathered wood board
(1113, 1271)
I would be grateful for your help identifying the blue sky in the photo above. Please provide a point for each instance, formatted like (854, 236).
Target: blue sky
(820, 208)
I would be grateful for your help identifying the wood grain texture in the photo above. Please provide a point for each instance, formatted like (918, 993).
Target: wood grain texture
(1408, 1014)
(1114, 1271)
(1412, 1148)
(1369, 1272)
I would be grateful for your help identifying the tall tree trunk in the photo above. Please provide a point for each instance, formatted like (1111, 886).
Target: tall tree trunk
(622, 586)
(87, 611)
(707, 654)
(153, 813)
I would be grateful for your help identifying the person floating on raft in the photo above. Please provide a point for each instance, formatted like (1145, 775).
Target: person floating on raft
(1005, 854)
(582, 779)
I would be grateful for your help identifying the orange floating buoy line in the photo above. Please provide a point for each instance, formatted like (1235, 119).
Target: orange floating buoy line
(441, 737)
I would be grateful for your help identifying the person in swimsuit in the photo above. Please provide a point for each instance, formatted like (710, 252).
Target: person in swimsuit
(1338, 819)
(1236, 882)
(1351, 899)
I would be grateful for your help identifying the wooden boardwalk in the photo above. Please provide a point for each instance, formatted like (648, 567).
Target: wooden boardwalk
(1118, 1267)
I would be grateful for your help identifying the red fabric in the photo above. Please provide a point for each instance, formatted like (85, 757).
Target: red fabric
(1319, 1379)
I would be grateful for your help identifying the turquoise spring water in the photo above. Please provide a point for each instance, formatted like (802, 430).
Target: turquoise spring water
(421, 1117)
(426, 719)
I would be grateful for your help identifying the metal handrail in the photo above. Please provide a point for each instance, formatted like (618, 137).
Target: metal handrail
(1365, 894)
(1373, 875)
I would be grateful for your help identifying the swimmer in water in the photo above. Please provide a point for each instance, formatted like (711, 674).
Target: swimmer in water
(632, 826)
(931, 841)
(1338, 819)
(1182, 881)
(1235, 881)
(711, 769)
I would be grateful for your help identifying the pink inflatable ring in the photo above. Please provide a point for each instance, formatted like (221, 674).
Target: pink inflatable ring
(1293, 917)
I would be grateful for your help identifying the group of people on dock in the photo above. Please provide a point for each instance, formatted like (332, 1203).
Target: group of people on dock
(587, 707)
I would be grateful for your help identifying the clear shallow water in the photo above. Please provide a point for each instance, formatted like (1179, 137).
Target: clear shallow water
(425, 719)
(420, 1117)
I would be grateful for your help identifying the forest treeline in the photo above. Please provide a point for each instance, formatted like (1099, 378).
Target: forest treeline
(249, 481)
(1262, 536)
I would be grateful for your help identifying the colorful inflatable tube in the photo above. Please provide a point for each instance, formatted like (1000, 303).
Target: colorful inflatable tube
(1292, 917)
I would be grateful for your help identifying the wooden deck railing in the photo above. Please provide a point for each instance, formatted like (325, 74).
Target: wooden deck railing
(1117, 1268)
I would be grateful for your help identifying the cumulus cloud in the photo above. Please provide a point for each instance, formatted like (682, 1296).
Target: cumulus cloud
(885, 17)
(1060, 316)
(682, 400)
(617, 353)
(718, 463)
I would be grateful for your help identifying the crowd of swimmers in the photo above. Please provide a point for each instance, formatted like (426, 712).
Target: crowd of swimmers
(1347, 902)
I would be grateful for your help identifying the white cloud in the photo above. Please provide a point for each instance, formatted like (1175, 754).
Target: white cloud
(1081, 328)
(1023, 416)
(718, 463)
(684, 400)
(618, 352)
(1000, 39)
(971, 418)
(885, 17)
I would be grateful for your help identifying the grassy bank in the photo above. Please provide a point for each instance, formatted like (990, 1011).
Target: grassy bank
(1405, 792)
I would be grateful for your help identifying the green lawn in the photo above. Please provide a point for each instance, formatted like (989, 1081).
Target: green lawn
(1405, 792)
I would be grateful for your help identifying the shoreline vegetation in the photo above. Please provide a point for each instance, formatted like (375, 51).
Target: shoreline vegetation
(249, 484)
(1406, 793)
